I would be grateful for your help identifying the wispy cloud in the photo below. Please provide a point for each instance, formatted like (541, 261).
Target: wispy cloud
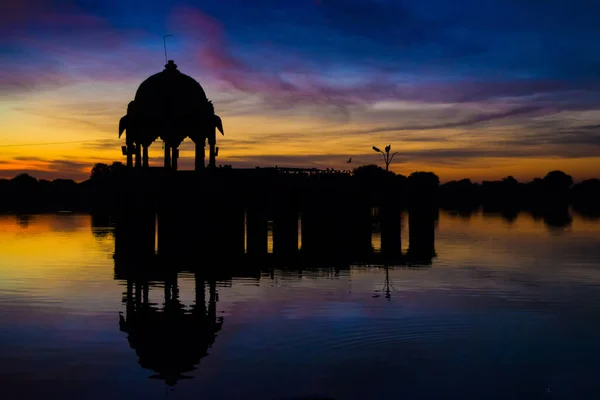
(446, 85)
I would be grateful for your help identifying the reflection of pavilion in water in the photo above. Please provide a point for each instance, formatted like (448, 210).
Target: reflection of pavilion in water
(169, 340)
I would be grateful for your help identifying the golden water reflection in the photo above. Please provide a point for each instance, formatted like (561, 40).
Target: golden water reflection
(48, 249)
(499, 295)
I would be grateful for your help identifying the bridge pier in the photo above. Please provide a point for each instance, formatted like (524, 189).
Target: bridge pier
(285, 230)
(421, 233)
(312, 229)
(135, 232)
(327, 230)
(390, 218)
(227, 226)
(256, 230)
(361, 228)
(210, 215)
(200, 219)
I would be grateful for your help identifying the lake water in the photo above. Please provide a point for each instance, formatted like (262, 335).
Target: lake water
(506, 310)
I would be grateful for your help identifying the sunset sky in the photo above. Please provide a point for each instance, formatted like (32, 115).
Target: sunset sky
(478, 89)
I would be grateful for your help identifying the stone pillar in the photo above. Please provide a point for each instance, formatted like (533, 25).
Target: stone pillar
(130, 151)
(199, 155)
(138, 156)
(212, 141)
(212, 156)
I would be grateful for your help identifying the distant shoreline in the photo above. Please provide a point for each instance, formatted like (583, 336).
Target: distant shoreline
(26, 194)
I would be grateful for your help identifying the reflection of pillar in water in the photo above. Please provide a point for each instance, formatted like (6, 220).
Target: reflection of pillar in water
(167, 231)
(171, 287)
(138, 294)
(212, 300)
(129, 298)
(146, 292)
(421, 226)
(199, 297)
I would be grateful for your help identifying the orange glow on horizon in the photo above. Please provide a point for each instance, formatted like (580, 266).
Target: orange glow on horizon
(73, 128)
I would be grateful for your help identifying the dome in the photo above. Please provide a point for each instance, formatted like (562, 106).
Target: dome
(171, 105)
(170, 93)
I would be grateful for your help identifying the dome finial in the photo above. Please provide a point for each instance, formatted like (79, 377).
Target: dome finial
(171, 66)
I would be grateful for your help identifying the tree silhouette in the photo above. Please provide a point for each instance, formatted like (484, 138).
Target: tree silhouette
(422, 187)
(25, 193)
(421, 179)
(99, 171)
(24, 181)
(117, 167)
(371, 171)
(558, 181)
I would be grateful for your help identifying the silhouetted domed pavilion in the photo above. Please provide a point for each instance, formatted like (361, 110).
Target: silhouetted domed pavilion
(170, 91)
(171, 106)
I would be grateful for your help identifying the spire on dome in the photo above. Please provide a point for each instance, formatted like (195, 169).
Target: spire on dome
(171, 66)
